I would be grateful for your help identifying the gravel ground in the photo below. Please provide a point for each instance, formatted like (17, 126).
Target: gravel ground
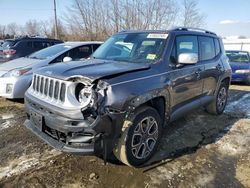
(198, 150)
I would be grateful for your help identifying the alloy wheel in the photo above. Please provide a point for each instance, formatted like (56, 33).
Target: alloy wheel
(144, 137)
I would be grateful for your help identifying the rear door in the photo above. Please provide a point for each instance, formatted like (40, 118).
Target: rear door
(210, 53)
(186, 79)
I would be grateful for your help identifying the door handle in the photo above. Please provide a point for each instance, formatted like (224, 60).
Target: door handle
(198, 73)
(219, 67)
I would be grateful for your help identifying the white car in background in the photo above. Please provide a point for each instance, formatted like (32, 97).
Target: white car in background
(16, 75)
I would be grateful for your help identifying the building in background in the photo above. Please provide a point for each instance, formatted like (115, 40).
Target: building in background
(237, 43)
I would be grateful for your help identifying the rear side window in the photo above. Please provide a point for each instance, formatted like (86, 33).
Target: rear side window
(37, 45)
(217, 46)
(29, 44)
(207, 48)
(80, 52)
(46, 44)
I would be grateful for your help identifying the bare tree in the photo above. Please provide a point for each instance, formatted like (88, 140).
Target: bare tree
(97, 19)
(46, 28)
(2, 31)
(192, 17)
(13, 29)
(32, 27)
(61, 31)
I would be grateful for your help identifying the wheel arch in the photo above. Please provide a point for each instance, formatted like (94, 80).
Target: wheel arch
(159, 100)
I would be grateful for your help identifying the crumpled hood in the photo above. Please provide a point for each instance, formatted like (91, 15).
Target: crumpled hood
(92, 69)
(18, 63)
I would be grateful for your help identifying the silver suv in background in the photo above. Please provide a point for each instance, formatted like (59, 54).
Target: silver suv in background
(16, 75)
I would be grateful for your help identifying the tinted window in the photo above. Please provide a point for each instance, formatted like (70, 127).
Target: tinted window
(95, 46)
(207, 48)
(37, 45)
(217, 46)
(29, 44)
(46, 44)
(80, 52)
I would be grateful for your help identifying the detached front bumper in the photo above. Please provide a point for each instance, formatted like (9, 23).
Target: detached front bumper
(72, 134)
(14, 87)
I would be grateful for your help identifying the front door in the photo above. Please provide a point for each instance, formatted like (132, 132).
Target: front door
(186, 80)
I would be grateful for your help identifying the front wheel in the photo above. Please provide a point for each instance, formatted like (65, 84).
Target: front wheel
(140, 140)
(217, 106)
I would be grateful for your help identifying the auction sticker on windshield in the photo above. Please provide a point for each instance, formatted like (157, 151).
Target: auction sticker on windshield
(157, 36)
(151, 56)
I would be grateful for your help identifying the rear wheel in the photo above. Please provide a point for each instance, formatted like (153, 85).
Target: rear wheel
(140, 140)
(218, 105)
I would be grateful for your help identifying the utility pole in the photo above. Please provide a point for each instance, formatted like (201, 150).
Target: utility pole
(56, 26)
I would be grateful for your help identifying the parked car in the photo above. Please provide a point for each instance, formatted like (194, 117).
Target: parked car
(119, 101)
(23, 46)
(16, 75)
(240, 64)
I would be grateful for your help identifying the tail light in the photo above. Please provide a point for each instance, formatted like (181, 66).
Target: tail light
(9, 52)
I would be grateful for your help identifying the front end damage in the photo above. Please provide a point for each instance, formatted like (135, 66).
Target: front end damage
(71, 114)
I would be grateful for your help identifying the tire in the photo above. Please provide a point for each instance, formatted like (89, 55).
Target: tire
(140, 140)
(217, 106)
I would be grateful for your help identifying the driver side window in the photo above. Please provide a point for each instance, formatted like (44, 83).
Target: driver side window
(184, 44)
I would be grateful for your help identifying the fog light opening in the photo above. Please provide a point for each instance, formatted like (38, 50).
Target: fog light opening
(9, 88)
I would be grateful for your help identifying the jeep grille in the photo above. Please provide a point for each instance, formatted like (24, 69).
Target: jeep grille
(49, 87)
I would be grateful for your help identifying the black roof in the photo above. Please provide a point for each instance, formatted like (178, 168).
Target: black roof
(32, 38)
(190, 30)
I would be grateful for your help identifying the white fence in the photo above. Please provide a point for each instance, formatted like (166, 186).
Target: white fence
(237, 44)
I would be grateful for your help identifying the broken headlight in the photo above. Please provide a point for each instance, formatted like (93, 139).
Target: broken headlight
(84, 94)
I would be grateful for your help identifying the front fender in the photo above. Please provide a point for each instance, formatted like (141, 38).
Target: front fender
(127, 100)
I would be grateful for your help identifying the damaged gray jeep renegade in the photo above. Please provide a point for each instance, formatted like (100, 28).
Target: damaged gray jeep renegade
(118, 101)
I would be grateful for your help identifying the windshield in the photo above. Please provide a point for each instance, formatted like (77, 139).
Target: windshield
(49, 52)
(8, 44)
(133, 47)
(239, 56)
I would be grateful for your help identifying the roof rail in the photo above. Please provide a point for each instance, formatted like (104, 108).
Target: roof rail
(192, 29)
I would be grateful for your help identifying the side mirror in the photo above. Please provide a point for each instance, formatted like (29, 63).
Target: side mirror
(67, 59)
(188, 58)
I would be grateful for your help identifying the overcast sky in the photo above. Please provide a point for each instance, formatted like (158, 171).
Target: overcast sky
(225, 17)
